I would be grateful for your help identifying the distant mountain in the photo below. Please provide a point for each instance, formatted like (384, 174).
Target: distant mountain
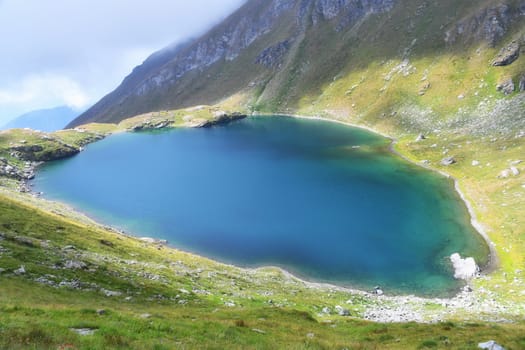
(52, 119)
(415, 65)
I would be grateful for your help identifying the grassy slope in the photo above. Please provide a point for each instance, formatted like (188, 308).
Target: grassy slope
(193, 302)
(188, 299)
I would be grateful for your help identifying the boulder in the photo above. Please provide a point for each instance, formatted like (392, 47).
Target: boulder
(448, 161)
(507, 55)
(506, 87)
(326, 310)
(84, 331)
(464, 269)
(20, 271)
(341, 311)
(490, 345)
(75, 265)
(420, 137)
(521, 83)
(378, 291)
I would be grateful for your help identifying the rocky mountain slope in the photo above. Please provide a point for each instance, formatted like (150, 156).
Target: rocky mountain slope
(437, 58)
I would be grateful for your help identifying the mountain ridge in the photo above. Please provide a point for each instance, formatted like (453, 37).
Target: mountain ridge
(277, 53)
(49, 119)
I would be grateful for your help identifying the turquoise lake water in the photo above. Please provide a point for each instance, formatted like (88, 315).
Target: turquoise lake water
(325, 201)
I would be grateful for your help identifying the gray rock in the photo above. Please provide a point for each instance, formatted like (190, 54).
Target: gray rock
(504, 174)
(75, 265)
(506, 87)
(273, 56)
(20, 271)
(378, 291)
(341, 311)
(521, 83)
(84, 331)
(507, 55)
(420, 137)
(515, 171)
(448, 161)
(490, 345)
(110, 293)
(101, 312)
(475, 163)
(326, 311)
(146, 316)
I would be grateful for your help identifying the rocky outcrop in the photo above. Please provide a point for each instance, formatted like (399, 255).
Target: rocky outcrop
(273, 56)
(506, 86)
(489, 24)
(348, 11)
(37, 153)
(508, 54)
(221, 117)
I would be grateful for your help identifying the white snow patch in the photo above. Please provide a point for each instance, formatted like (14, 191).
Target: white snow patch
(464, 269)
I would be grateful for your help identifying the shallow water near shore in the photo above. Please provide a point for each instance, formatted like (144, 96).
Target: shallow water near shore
(324, 201)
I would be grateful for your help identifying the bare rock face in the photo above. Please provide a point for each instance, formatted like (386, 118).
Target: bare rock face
(508, 54)
(273, 56)
(489, 24)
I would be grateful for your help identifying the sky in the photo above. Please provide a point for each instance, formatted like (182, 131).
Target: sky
(73, 52)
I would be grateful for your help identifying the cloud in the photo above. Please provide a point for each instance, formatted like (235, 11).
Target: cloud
(35, 92)
(63, 51)
(61, 89)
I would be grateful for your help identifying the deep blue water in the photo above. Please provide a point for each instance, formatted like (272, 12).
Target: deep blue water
(325, 201)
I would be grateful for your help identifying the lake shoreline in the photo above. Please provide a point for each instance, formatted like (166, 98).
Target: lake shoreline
(493, 259)
(306, 282)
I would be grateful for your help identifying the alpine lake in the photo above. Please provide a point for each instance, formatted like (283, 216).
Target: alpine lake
(324, 201)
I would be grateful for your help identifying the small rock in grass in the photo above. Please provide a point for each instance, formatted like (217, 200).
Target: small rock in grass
(448, 161)
(515, 171)
(75, 265)
(84, 331)
(20, 271)
(146, 316)
(310, 335)
(504, 174)
(101, 312)
(257, 330)
(420, 137)
(110, 293)
(326, 310)
(341, 311)
(475, 163)
(490, 345)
